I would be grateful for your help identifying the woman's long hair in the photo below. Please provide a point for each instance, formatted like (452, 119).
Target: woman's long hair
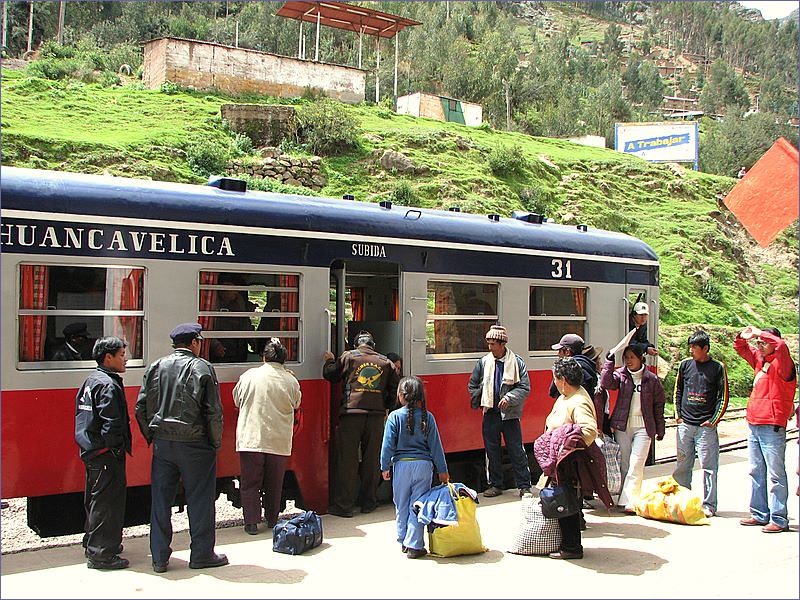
(414, 394)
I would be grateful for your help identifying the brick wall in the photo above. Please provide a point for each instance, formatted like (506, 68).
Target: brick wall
(206, 66)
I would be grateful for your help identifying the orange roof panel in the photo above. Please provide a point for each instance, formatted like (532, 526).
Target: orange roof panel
(766, 199)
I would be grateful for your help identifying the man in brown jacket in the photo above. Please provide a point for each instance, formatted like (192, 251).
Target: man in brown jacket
(370, 385)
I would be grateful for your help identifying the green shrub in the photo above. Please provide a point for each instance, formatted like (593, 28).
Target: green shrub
(51, 49)
(53, 68)
(536, 198)
(207, 158)
(169, 88)
(404, 194)
(108, 79)
(711, 292)
(242, 144)
(505, 161)
(327, 128)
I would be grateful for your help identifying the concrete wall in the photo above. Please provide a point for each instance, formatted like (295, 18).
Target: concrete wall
(207, 66)
(266, 125)
(430, 106)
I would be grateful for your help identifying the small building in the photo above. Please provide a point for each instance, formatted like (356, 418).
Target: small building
(207, 66)
(440, 108)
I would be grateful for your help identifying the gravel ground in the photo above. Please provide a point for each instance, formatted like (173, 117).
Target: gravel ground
(18, 537)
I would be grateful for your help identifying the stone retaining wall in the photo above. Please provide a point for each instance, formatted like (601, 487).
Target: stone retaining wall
(299, 172)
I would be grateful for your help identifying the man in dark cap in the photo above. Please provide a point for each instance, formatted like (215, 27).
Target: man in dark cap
(180, 413)
(370, 387)
(75, 337)
(103, 434)
(499, 385)
(571, 344)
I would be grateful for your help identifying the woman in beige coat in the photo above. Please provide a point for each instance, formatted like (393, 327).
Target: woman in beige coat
(266, 397)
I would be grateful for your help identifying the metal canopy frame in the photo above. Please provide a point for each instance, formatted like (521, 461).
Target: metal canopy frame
(339, 15)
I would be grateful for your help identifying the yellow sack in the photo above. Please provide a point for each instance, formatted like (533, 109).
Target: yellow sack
(665, 500)
(464, 538)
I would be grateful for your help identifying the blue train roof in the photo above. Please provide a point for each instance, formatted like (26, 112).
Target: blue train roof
(73, 193)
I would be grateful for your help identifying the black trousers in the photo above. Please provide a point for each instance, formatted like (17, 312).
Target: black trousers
(364, 432)
(104, 502)
(493, 427)
(261, 481)
(196, 464)
(571, 526)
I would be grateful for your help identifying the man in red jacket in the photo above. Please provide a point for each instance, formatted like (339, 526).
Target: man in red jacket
(768, 411)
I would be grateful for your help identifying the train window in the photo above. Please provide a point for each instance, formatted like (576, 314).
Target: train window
(239, 312)
(553, 312)
(459, 315)
(64, 309)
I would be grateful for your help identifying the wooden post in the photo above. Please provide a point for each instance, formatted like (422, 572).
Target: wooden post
(236, 38)
(396, 55)
(378, 71)
(30, 26)
(300, 41)
(316, 49)
(61, 10)
(5, 23)
(360, 39)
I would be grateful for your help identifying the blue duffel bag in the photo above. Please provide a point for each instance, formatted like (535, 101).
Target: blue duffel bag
(298, 534)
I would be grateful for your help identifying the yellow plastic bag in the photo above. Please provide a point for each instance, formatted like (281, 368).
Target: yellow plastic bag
(665, 500)
(464, 538)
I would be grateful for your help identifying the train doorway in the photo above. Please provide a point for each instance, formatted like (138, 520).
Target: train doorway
(364, 296)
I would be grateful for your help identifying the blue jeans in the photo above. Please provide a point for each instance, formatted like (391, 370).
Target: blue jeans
(410, 479)
(770, 488)
(195, 463)
(493, 426)
(705, 441)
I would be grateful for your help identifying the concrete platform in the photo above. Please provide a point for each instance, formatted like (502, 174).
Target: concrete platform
(625, 557)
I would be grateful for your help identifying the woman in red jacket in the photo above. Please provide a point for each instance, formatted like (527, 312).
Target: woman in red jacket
(768, 411)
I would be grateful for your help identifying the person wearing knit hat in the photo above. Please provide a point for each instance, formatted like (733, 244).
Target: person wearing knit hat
(499, 386)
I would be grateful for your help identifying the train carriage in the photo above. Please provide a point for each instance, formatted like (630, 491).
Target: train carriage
(133, 258)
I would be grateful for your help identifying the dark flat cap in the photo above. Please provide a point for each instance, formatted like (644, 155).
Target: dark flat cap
(186, 332)
(75, 329)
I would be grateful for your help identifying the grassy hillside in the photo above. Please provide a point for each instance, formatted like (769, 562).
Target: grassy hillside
(712, 272)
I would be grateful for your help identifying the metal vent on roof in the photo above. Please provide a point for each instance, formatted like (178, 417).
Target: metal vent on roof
(528, 217)
(229, 184)
(582, 227)
(454, 209)
(494, 217)
(348, 197)
(385, 204)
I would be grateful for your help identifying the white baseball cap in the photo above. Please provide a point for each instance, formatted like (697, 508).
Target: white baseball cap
(640, 308)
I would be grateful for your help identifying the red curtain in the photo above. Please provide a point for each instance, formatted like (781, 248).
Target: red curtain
(34, 284)
(290, 302)
(207, 303)
(127, 290)
(357, 303)
(579, 296)
(444, 304)
(395, 305)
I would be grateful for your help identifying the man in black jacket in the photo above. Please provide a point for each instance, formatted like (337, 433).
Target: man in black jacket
(103, 433)
(179, 411)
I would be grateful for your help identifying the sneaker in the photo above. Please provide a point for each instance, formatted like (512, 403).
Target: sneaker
(708, 512)
(492, 492)
(414, 553)
(773, 528)
(216, 560)
(525, 490)
(114, 563)
(752, 522)
(564, 555)
(159, 567)
(251, 529)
